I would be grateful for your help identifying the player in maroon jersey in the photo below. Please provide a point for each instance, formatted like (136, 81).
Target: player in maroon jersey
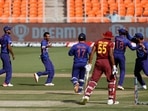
(104, 65)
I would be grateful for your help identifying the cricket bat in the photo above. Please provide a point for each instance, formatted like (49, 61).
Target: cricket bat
(86, 78)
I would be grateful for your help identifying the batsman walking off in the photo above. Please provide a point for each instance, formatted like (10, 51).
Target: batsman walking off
(104, 64)
(5, 42)
(49, 68)
(80, 51)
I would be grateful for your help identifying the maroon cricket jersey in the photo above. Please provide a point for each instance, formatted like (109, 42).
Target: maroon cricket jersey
(102, 48)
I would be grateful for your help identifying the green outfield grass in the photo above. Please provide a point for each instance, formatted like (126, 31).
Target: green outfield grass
(61, 97)
(28, 61)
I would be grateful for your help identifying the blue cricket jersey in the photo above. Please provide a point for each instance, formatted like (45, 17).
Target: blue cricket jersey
(140, 53)
(121, 42)
(44, 49)
(80, 52)
(4, 41)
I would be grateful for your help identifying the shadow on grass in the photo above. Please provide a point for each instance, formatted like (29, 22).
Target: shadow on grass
(30, 84)
(70, 101)
(80, 102)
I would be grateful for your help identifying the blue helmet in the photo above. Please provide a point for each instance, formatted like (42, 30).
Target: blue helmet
(138, 35)
(82, 37)
(122, 31)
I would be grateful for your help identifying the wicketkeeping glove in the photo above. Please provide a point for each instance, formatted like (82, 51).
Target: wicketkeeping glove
(88, 67)
(115, 70)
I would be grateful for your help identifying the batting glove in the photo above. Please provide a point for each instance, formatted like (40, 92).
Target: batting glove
(88, 67)
(115, 70)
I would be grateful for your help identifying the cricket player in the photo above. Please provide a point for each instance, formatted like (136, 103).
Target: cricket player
(5, 42)
(121, 42)
(141, 61)
(49, 68)
(80, 52)
(104, 64)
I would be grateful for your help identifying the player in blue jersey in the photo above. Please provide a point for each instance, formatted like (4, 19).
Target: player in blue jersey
(49, 67)
(142, 58)
(81, 52)
(121, 42)
(5, 42)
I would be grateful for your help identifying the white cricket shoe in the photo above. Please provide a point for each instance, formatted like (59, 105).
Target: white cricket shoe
(7, 85)
(36, 77)
(84, 100)
(144, 87)
(111, 102)
(49, 84)
(120, 87)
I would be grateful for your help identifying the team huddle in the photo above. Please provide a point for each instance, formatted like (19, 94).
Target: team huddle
(110, 56)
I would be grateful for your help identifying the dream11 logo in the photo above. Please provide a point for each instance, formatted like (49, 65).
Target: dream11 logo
(20, 31)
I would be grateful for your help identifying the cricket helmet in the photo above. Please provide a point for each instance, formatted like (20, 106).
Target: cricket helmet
(82, 37)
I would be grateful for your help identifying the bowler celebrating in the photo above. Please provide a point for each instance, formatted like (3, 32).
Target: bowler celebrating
(49, 68)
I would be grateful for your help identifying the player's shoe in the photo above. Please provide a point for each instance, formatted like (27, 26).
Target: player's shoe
(76, 87)
(36, 77)
(80, 91)
(49, 84)
(84, 100)
(111, 102)
(120, 87)
(7, 85)
(144, 87)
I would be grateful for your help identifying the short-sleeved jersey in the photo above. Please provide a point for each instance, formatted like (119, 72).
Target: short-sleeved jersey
(121, 42)
(141, 54)
(4, 41)
(80, 51)
(103, 48)
(44, 48)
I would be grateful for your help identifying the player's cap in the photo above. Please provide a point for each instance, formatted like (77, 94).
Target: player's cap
(138, 35)
(122, 31)
(82, 37)
(108, 34)
(7, 28)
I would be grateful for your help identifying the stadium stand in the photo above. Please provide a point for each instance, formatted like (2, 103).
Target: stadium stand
(95, 10)
(77, 11)
(21, 11)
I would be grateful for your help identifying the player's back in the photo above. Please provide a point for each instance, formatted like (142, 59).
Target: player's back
(80, 52)
(103, 48)
(120, 44)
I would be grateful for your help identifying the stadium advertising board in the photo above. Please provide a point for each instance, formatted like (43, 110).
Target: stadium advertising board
(68, 32)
